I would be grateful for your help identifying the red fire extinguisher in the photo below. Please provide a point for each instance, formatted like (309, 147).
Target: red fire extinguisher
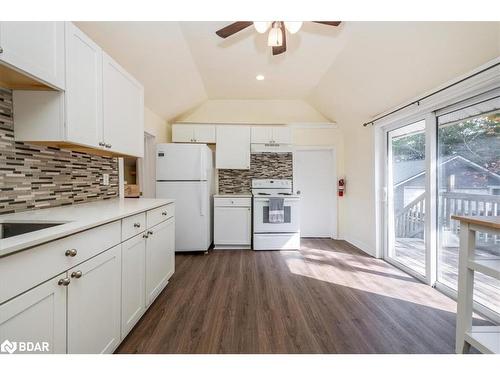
(341, 187)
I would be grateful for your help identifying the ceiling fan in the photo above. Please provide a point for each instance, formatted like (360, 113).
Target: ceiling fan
(277, 32)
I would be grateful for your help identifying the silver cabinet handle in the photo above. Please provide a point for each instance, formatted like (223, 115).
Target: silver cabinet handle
(64, 282)
(145, 235)
(108, 145)
(102, 144)
(1, 50)
(149, 232)
(76, 274)
(137, 225)
(164, 213)
(71, 253)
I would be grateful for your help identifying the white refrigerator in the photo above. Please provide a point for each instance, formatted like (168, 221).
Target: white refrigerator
(185, 172)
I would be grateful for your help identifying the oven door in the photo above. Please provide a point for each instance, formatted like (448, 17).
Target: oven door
(261, 222)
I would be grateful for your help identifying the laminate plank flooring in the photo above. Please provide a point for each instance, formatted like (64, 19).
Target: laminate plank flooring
(329, 297)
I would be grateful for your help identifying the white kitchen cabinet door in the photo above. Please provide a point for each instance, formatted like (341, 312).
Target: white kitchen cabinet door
(232, 225)
(94, 304)
(282, 135)
(37, 316)
(182, 133)
(160, 258)
(123, 109)
(261, 134)
(84, 122)
(204, 133)
(36, 48)
(133, 282)
(233, 147)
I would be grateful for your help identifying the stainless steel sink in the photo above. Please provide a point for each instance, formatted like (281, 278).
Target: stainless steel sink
(15, 229)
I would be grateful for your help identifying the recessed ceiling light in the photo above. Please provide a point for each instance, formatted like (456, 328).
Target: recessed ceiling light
(259, 77)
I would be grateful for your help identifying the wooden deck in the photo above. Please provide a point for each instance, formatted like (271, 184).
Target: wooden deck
(411, 252)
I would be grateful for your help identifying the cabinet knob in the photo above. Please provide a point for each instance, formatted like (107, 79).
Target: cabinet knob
(164, 213)
(137, 225)
(71, 253)
(108, 145)
(149, 232)
(1, 50)
(145, 235)
(102, 144)
(76, 274)
(64, 282)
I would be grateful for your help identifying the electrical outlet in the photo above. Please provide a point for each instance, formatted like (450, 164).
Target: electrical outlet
(105, 179)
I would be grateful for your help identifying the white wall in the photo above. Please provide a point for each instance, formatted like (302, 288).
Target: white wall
(157, 126)
(382, 65)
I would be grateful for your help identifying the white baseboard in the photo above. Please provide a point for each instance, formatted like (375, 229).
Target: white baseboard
(370, 250)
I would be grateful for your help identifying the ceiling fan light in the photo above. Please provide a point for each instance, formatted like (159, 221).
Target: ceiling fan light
(293, 26)
(275, 38)
(261, 26)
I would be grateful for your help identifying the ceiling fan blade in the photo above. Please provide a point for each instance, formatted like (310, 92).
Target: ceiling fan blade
(329, 23)
(280, 49)
(233, 28)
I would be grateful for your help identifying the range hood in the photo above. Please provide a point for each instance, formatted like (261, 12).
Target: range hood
(258, 148)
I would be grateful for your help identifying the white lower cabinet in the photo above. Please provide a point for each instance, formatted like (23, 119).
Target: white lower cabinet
(94, 304)
(133, 282)
(36, 317)
(103, 286)
(232, 222)
(160, 258)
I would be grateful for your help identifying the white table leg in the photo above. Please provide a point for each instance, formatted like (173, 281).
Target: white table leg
(465, 287)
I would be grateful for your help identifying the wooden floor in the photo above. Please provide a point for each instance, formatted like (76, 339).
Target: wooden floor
(327, 298)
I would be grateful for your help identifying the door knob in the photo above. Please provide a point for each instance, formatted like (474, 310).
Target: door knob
(64, 282)
(71, 253)
(76, 274)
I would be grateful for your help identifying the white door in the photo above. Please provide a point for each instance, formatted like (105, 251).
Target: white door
(192, 213)
(160, 258)
(182, 133)
(233, 147)
(123, 108)
(282, 135)
(94, 304)
(181, 162)
(204, 133)
(232, 225)
(83, 88)
(315, 178)
(37, 316)
(133, 282)
(36, 48)
(262, 134)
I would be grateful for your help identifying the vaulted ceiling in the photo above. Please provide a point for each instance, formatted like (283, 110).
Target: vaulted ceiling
(182, 64)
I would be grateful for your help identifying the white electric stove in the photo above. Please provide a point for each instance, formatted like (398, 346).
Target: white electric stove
(275, 236)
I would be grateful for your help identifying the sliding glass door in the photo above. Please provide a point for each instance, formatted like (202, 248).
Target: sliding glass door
(406, 193)
(468, 172)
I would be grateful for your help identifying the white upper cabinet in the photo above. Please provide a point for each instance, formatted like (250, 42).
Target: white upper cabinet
(83, 88)
(35, 48)
(233, 147)
(190, 133)
(123, 107)
(271, 134)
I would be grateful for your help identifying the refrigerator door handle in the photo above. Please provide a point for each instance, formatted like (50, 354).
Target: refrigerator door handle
(202, 211)
(202, 177)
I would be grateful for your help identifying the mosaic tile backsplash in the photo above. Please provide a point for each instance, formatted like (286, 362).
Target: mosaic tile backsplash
(262, 165)
(33, 177)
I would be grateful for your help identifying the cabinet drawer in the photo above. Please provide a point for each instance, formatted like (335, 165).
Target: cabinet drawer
(233, 202)
(133, 225)
(160, 214)
(22, 271)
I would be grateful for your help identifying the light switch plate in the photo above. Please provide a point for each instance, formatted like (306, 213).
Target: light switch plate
(105, 179)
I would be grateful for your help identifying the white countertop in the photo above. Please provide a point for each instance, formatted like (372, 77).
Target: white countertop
(77, 217)
(233, 195)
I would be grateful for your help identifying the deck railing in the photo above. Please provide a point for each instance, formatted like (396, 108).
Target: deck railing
(409, 223)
